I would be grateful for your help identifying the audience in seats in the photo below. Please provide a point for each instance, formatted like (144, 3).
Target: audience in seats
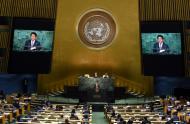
(86, 111)
(113, 114)
(109, 108)
(172, 111)
(175, 117)
(121, 121)
(130, 121)
(116, 114)
(145, 121)
(73, 115)
(58, 108)
(85, 119)
(67, 121)
(16, 104)
(118, 117)
(43, 111)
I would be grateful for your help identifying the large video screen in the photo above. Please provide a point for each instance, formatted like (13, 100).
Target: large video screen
(162, 48)
(31, 45)
(161, 43)
(32, 40)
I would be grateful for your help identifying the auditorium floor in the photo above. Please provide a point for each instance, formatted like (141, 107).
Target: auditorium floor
(98, 118)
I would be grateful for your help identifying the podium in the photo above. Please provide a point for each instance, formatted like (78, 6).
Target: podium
(88, 89)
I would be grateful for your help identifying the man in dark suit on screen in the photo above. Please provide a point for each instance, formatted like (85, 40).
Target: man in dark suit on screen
(32, 44)
(160, 47)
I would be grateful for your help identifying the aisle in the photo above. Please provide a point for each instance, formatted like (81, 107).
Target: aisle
(98, 118)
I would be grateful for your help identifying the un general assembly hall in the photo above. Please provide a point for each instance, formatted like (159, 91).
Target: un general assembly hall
(94, 61)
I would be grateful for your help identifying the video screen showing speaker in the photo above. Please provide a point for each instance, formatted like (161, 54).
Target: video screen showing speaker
(31, 45)
(161, 43)
(162, 48)
(32, 40)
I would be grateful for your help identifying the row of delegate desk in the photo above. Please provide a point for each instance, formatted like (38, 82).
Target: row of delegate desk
(134, 111)
(171, 105)
(50, 115)
(8, 112)
(46, 115)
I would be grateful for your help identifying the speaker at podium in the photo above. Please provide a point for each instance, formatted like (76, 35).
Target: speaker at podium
(96, 89)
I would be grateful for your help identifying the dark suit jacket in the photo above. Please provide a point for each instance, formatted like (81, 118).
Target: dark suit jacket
(27, 45)
(165, 47)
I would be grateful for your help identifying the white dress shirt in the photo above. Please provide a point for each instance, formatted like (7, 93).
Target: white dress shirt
(32, 42)
(160, 45)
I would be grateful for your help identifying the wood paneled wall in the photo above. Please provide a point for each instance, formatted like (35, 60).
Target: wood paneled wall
(164, 10)
(4, 37)
(22, 8)
(28, 8)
